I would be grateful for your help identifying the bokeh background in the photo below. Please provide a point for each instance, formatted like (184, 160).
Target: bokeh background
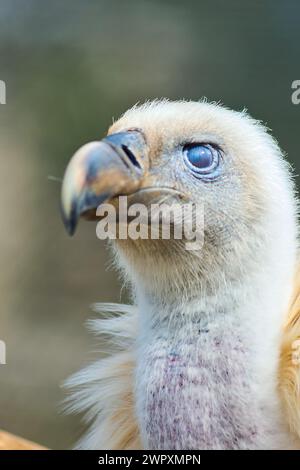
(70, 66)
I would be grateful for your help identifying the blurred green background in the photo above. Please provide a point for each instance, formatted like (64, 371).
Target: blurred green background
(69, 67)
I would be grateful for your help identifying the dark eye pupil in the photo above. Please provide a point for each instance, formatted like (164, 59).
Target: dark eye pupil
(202, 159)
(200, 156)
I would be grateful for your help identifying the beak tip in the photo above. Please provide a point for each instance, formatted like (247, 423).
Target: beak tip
(70, 221)
(70, 229)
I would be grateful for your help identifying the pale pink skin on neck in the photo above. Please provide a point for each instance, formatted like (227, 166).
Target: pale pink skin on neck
(190, 398)
(199, 384)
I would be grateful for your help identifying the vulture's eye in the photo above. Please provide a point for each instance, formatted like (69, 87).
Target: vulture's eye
(202, 159)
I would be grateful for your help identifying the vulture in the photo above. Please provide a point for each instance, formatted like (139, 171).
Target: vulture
(207, 356)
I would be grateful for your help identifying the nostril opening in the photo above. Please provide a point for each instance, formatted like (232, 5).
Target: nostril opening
(131, 156)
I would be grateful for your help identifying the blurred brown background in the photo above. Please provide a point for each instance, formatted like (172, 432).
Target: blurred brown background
(69, 67)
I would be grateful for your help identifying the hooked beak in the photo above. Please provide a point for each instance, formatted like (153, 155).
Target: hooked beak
(100, 171)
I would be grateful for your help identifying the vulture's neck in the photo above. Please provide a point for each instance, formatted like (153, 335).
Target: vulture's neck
(207, 368)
